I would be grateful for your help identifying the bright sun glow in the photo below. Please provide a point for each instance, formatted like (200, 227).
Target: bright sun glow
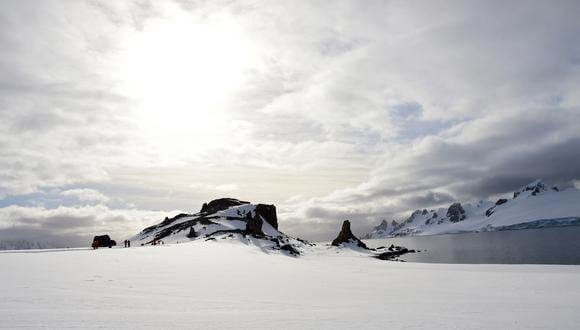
(181, 73)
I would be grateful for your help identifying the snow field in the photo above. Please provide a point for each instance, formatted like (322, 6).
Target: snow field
(229, 284)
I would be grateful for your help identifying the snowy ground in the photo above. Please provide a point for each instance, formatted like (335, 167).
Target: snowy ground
(216, 285)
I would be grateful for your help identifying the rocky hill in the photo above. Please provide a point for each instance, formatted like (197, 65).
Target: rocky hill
(222, 219)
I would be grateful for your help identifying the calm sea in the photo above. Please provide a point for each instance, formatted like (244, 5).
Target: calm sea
(530, 246)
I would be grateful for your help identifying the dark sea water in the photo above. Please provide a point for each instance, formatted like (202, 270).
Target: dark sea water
(529, 246)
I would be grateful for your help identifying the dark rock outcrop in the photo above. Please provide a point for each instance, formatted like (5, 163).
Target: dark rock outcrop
(290, 249)
(220, 205)
(192, 233)
(389, 255)
(268, 213)
(165, 222)
(254, 226)
(501, 201)
(489, 211)
(535, 187)
(456, 213)
(346, 236)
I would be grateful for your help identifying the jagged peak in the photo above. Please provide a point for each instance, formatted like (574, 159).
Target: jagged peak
(533, 188)
(414, 215)
(382, 226)
(533, 184)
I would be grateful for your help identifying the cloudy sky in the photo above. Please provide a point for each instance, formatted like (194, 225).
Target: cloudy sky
(114, 114)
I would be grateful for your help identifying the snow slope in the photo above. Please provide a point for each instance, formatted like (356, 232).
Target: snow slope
(533, 206)
(228, 284)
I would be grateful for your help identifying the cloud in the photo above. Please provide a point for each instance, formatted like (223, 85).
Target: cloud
(365, 110)
(72, 226)
(221, 188)
(86, 195)
(471, 161)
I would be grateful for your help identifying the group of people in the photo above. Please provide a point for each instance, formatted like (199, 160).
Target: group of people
(157, 242)
(127, 243)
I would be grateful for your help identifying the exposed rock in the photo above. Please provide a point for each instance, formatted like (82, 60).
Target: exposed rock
(254, 226)
(220, 205)
(501, 201)
(210, 223)
(346, 236)
(268, 213)
(171, 220)
(389, 255)
(489, 211)
(534, 188)
(456, 213)
(165, 222)
(227, 231)
(289, 248)
(192, 233)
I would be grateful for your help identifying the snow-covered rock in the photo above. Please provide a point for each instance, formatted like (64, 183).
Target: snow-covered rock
(535, 205)
(382, 230)
(225, 218)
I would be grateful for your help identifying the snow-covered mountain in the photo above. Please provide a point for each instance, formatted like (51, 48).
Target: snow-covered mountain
(383, 229)
(225, 218)
(535, 205)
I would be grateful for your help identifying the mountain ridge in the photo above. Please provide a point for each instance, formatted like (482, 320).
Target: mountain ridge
(534, 205)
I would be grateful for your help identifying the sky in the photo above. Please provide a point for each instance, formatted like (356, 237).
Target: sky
(115, 114)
